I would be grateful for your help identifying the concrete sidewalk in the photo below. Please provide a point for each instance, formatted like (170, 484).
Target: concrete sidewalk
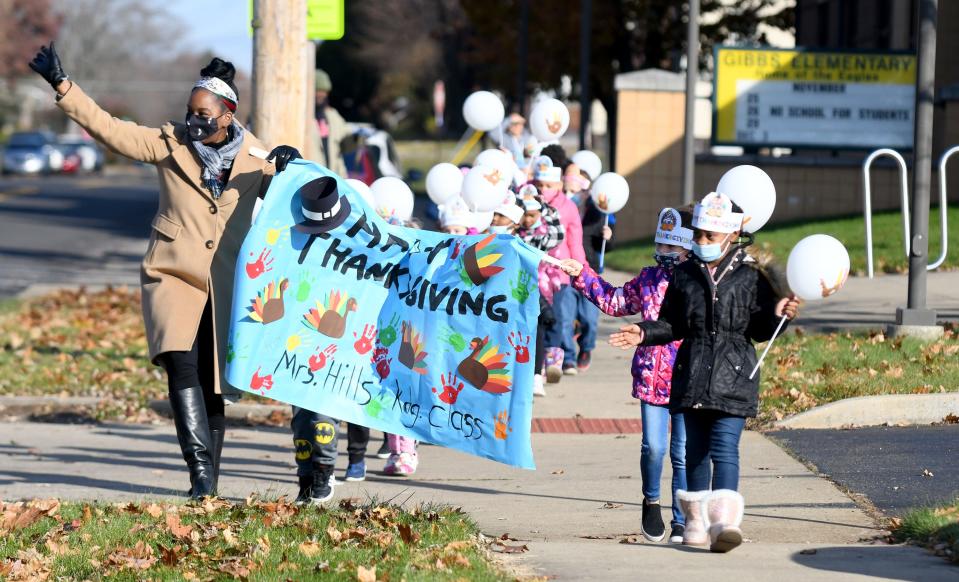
(872, 303)
(586, 486)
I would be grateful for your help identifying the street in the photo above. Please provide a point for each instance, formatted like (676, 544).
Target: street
(72, 231)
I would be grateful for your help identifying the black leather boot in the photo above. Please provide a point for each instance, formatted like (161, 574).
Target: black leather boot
(193, 432)
(216, 438)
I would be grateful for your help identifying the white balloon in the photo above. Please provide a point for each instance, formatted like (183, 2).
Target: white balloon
(753, 190)
(363, 190)
(549, 120)
(483, 111)
(818, 266)
(392, 198)
(484, 188)
(610, 192)
(588, 162)
(444, 182)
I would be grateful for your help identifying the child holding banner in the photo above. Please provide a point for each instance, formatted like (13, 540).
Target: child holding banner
(718, 303)
(541, 228)
(652, 366)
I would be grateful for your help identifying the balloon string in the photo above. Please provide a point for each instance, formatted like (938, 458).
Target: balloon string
(467, 147)
(769, 345)
(602, 250)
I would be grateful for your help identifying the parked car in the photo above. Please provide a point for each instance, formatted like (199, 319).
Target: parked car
(81, 154)
(369, 154)
(32, 152)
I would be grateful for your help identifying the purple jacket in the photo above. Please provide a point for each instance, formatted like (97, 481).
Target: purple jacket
(652, 365)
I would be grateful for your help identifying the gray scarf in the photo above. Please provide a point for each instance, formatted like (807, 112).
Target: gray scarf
(216, 160)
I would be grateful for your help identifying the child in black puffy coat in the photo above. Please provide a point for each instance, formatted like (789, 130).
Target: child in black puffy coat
(718, 304)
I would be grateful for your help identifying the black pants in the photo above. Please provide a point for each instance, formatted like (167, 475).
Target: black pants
(196, 367)
(358, 437)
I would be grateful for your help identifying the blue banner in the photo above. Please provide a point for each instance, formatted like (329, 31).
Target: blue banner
(416, 333)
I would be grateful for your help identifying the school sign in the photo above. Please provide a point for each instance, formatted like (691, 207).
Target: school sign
(813, 99)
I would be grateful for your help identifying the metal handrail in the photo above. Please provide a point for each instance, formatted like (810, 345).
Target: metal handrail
(942, 207)
(867, 199)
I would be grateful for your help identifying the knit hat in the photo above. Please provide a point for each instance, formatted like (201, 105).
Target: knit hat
(323, 82)
(545, 171)
(715, 213)
(670, 230)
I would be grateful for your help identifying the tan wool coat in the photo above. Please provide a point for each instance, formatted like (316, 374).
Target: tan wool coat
(195, 239)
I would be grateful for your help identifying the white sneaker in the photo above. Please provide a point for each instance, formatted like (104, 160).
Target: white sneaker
(538, 388)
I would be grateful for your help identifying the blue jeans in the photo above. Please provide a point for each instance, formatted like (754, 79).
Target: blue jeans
(712, 436)
(656, 421)
(561, 334)
(587, 315)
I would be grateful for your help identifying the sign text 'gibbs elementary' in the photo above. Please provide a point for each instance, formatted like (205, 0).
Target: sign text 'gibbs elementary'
(797, 98)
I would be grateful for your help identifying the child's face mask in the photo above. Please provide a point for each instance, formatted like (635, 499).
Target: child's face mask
(711, 252)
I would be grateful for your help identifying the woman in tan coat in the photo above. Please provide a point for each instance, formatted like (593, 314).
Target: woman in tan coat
(208, 185)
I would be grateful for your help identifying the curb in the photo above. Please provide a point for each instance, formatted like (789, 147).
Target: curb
(27, 405)
(893, 409)
(238, 411)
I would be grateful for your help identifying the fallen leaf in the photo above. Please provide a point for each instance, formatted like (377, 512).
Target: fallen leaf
(364, 574)
(239, 568)
(407, 534)
(507, 549)
(176, 528)
(808, 552)
(229, 537)
(558, 472)
(631, 540)
(927, 473)
(322, 567)
(169, 556)
(460, 545)
(153, 510)
(310, 549)
(139, 557)
(951, 419)
(611, 505)
(334, 534)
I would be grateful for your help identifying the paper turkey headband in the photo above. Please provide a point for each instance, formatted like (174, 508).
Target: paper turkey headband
(219, 88)
(670, 230)
(715, 213)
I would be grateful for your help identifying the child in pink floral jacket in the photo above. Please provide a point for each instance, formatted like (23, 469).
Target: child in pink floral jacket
(652, 366)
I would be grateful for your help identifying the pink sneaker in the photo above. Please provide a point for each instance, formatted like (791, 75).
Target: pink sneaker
(401, 464)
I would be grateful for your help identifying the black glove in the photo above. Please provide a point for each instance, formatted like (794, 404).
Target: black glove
(47, 64)
(282, 155)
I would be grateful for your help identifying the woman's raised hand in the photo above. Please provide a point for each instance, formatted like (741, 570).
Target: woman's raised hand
(47, 65)
(628, 336)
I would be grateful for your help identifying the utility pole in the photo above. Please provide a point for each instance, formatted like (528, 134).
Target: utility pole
(692, 75)
(585, 37)
(916, 319)
(280, 72)
(523, 56)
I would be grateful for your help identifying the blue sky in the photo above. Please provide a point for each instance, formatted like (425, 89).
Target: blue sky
(219, 25)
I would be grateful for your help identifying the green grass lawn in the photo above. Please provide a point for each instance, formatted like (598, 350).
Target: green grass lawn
(423, 155)
(888, 252)
(251, 540)
(806, 370)
(934, 528)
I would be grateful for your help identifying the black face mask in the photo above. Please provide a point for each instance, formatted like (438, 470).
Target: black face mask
(201, 128)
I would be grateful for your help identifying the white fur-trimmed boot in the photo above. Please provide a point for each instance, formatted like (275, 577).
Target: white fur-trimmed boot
(723, 511)
(692, 506)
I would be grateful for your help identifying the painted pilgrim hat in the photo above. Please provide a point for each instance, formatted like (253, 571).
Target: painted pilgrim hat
(322, 206)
